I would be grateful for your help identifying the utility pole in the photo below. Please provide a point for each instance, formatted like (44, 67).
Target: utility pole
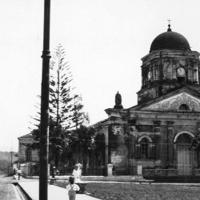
(44, 135)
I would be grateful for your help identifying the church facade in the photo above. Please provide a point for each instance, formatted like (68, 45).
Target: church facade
(157, 133)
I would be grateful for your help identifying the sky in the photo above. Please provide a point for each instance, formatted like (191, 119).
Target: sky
(104, 42)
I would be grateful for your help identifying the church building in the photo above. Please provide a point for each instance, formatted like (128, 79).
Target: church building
(157, 132)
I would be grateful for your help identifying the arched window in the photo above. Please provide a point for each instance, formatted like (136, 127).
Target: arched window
(156, 129)
(184, 107)
(145, 148)
(190, 74)
(169, 72)
(196, 75)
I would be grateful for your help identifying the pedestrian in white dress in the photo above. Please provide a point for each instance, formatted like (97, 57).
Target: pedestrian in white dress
(77, 172)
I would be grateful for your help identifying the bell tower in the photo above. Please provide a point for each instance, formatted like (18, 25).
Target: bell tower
(170, 65)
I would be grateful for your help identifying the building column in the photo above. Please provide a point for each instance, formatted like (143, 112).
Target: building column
(107, 150)
(106, 145)
(169, 134)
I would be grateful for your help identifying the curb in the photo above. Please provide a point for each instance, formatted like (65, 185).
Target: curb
(22, 193)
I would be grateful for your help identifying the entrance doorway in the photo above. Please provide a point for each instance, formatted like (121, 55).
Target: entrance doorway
(185, 155)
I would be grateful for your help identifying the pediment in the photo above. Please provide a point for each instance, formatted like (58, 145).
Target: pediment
(174, 102)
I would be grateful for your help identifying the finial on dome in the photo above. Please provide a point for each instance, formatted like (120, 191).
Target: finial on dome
(169, 25)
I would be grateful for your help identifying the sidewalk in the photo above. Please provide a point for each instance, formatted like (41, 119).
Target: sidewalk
(32, 189)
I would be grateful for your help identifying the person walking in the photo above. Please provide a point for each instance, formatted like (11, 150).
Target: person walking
(15, 174)
(72, 188)
(19, 173)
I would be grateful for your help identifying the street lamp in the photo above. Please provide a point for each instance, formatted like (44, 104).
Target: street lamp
(44, 136)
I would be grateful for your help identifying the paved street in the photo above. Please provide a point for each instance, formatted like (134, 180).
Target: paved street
(54, 192)
(9, 192)
(7, 189)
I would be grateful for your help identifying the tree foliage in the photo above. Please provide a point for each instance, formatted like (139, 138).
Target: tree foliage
(78, 116)
(65, 108)
(82, 143)
(60, 89)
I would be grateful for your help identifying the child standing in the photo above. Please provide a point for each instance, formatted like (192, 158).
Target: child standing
(72, 188)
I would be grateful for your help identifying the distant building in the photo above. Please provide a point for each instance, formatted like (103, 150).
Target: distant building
(28, 157)
(157, 132)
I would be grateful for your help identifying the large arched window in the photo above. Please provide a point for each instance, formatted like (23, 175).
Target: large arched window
(184, 134)
(184, 107)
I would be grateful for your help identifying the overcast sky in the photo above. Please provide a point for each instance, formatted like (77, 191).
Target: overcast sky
(104, 40)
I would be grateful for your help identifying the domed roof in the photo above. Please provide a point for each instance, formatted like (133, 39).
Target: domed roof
(170, 40)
